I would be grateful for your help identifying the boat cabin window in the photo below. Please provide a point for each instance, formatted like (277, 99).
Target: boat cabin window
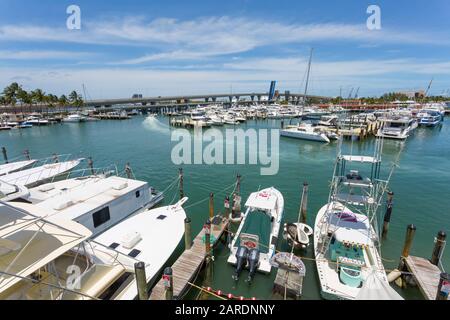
(134, 253)
(138, 194)
(101, 216)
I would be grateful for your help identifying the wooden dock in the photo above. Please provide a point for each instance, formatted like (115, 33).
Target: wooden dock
(188, 123)
(189, 263)
(426, 275)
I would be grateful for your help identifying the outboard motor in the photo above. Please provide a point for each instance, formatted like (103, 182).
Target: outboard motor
(241, 261)
(253, 260)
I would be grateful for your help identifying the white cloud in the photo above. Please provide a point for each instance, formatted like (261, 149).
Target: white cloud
(41, 54)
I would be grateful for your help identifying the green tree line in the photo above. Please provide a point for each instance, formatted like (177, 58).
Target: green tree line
(14, 95)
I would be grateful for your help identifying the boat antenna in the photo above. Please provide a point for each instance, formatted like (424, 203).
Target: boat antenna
(307, 75)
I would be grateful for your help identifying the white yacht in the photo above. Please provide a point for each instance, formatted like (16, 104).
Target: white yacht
(328, 120)
(51, 259)
(36, 121)
(346, 243)
(150, 236)
(429, 118)
(255, 241)
(397, 127)
(98, 202)
(74, 118)
(305, 131)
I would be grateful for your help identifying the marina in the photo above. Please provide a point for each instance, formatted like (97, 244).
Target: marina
(186, 264)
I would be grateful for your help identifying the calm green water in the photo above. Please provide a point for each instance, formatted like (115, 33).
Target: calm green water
(421, 183)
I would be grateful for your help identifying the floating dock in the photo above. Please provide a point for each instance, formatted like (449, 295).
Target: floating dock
(189, 263)
(426, 274)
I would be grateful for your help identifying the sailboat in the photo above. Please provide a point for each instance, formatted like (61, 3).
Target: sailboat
(255, 240)
(346, 240)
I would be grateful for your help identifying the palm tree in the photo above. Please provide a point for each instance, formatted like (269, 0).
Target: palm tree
(10, 93)
(24, 97)
(62, 101)
(75, 99)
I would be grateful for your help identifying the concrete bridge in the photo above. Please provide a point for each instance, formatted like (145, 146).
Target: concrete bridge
(206, 98)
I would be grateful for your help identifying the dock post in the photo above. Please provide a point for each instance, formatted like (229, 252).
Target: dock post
(304, 203)
(141, 280)
(410, 231)
(238, 184)
(26, 153)
(207, 228)
(444, 287)
(226, 205)
(5, 156)
(128, 170)
(180, 174)
(168, 283)
(211, 205)
(438, 247)
(187, 234)
(91, 165)
(55, 158)
(387, 215)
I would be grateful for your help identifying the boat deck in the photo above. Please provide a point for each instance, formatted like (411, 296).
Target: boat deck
(188, 264)
(426, 275)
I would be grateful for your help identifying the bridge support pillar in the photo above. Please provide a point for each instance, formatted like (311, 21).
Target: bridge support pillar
(214, 99)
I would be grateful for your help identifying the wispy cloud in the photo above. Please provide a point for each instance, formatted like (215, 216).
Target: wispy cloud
(171, 39)
(42, 54)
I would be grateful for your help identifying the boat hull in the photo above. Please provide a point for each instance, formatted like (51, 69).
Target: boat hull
(304, 136)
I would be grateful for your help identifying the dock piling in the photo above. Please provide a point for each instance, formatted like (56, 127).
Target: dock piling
(444, 287)
(207, 228)
(180, 174)
(26, 153)
(211, 205)
(226, 205)
(439, 245)
(141, 280)
(91, 165)
(5, 156)
(168, 283)
(387, 215)
(410, 232)
(187, 234)
(128, 170)
(304, 203)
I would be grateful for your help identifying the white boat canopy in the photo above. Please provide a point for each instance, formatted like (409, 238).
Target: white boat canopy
(364, 159)
(264, 199)
(28, 242)
(15, 166)
(376, 289)
(34, 175)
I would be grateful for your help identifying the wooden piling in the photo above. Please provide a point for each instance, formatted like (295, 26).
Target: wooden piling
(388, 213)
(5, 155)
(128, 170)
(26, 153)
(91, 165)
(180, 173)
(187, 233)
(410, 232)
(207, 228)
(168, 283)
(444, 287)
(141, 280)
(226, 205)
(211, 205)
(304, 203)
(438, 248)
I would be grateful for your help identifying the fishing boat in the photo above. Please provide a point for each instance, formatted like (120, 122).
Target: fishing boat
(150, 236)
(98, 202)
(255, 240)
(397, 127)
(45, 259)
(305, 131)
(346, 240)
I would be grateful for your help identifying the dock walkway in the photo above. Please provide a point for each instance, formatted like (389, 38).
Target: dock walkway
(426, 274)
(189, 263)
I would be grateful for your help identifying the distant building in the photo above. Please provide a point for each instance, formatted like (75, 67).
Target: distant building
(413, 94)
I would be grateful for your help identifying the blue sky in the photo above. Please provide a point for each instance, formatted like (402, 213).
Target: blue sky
(180, 47)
